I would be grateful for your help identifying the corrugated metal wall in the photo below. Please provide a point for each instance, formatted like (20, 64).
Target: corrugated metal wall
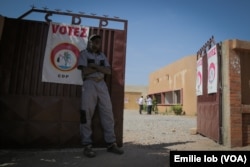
(209, 106)
(35, 113)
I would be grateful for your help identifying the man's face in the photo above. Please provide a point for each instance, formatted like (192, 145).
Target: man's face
(96, 44)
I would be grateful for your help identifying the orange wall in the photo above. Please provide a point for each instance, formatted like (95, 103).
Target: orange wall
(130, 100)
(178, 75)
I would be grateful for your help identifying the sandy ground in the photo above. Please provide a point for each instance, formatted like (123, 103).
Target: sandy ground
(148, 140)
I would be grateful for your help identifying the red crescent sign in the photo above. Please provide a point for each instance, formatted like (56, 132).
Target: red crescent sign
(64, 46)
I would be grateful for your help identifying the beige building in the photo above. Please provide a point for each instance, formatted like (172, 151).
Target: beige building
(132, 94)
(175, 84)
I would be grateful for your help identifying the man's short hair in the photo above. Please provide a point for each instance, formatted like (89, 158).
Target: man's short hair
(94, 36)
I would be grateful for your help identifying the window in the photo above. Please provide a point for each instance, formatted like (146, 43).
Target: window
(167, 76)
(173, 97)
(169, 97)
(177, 97)
(158, 98)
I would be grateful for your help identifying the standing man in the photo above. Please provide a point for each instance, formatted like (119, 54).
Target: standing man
(149, 104)
(94, 65)
(140, 102)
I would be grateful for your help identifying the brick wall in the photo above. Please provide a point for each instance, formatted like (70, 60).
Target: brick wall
(235, 99)
(239, 112)
(246, 128)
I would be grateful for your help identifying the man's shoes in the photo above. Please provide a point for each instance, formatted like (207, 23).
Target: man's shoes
(114, 149)
(88, 152)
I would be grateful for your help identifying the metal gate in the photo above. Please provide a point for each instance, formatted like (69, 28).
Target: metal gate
(209, 106)
(35, 113)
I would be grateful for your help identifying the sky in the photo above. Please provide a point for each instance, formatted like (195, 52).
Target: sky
(160, 32)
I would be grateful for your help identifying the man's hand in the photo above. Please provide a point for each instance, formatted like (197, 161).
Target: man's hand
(93, 65)
(104, 70)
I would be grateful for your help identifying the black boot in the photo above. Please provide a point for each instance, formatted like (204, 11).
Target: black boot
(113, 148)
(88, 152)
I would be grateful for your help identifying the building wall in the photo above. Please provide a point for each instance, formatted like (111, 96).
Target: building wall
(132, 94)
(236, 93)
(180, 75)
(130, 100)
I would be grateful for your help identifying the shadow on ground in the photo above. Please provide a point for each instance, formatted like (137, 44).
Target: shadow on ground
(156, 146)
(135, 155)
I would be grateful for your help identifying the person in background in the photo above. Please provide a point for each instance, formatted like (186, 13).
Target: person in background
(149, 104)
(140, 102)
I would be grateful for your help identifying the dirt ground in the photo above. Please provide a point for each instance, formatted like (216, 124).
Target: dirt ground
(147, 140)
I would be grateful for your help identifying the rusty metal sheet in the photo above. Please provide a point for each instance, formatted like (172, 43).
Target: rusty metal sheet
(1, 25)
(209, 106)
(35, 113)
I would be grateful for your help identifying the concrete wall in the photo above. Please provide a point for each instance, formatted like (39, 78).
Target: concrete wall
(226, 139)
(180, 75)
